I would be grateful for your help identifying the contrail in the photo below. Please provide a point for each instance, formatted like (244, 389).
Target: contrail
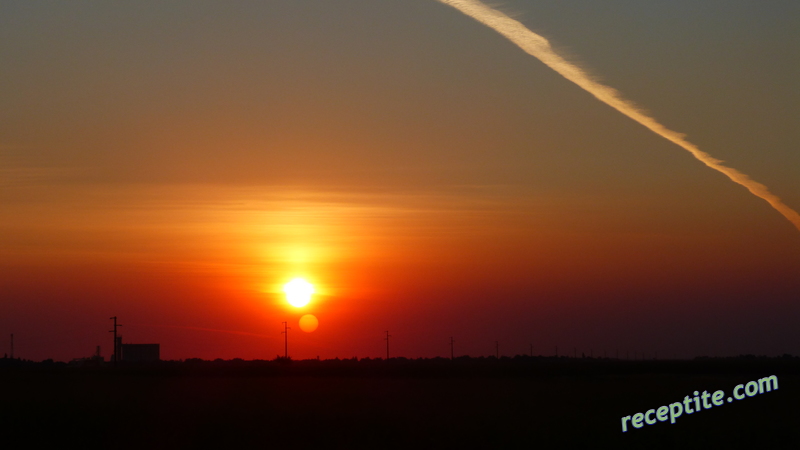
(539, 47)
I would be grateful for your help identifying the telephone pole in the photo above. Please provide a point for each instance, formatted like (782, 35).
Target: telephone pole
(115, 346)
(452, 354)
(387, 344)
(285, 332)
(12, 345)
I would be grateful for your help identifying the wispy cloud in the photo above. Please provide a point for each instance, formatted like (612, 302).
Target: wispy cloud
(213, 330)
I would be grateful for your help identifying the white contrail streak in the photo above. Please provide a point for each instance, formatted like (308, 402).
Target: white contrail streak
(539, 47)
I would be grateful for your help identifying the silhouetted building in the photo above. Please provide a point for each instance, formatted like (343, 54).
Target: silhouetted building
(95, 360)
(140, 352)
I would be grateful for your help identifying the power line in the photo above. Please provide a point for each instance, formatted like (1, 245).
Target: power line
(285, 332)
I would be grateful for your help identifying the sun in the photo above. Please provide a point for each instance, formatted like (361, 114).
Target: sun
(298, 292)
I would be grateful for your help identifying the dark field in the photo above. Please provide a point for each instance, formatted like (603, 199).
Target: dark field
(467, 403)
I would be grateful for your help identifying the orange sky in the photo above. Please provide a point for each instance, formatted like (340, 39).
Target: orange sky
(174, 165)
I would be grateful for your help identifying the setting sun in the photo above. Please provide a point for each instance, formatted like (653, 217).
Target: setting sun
(298, 292)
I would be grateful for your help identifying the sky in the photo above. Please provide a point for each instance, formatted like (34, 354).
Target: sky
(174, 164)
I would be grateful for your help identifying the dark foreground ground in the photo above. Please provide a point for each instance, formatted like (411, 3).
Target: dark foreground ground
(468, 403)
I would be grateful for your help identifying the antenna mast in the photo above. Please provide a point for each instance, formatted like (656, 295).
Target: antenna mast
(452, 354)
(387, 344)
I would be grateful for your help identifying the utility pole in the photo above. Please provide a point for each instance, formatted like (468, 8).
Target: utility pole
(452, 354)
(115, 347)
(387, 344)
(12, 345)
(285, 332)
